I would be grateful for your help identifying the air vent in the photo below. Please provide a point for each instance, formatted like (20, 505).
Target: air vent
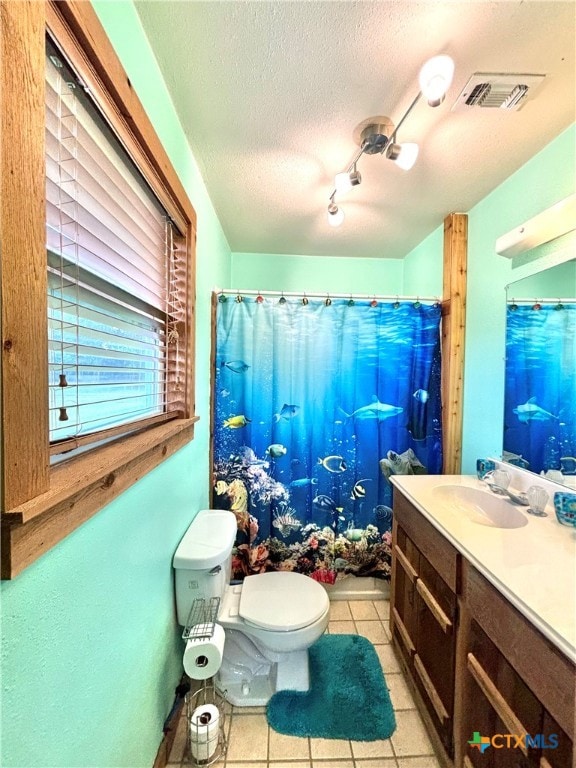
(495, 90)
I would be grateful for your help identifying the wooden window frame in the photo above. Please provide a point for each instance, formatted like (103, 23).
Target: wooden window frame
(41, 504)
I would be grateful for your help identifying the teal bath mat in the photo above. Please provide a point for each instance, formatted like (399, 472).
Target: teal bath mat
(348, 697)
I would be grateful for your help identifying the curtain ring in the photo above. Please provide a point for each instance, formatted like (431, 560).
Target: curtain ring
(417, 304)
(222, 299)
(239, 299)
(350, 301)
(374, 303)
(396, 304)
(282, 300)
(328, 301)
(305, 300)
(259, 299)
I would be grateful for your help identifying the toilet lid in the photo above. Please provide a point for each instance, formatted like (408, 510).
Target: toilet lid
(282, 601)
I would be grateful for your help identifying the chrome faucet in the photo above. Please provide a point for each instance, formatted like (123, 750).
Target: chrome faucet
(494, 480)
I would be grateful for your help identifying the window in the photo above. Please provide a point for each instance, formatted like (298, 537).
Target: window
(114, 293)
(97, 280)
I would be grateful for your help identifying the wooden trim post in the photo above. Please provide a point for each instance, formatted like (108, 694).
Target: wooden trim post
(453, 337)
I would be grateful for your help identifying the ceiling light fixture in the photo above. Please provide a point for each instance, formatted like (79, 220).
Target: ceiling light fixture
(377, 135)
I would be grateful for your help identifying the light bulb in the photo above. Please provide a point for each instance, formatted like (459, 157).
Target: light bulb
(342, 182)
(406, 155)
(335, 215)
(435, 79)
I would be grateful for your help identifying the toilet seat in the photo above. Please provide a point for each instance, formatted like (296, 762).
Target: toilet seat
(282, 601)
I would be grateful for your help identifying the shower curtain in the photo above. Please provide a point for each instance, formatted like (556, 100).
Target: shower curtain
(316, 404)
(540, 389)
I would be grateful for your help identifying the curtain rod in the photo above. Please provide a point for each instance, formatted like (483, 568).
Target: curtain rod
(323, 295)
(541, 301)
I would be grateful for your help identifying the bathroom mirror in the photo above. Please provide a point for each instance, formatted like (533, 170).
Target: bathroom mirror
(540, 380)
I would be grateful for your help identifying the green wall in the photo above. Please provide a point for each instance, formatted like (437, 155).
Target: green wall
(557, 282)
(423, 266)
(90, 651)
(336, 274)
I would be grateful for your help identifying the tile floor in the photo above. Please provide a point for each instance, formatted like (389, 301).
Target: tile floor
(253, 744)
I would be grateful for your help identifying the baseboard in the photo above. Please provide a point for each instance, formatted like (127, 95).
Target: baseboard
(167, 742)
(358, 588)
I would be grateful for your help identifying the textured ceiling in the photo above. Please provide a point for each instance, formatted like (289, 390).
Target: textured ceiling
(269, 94)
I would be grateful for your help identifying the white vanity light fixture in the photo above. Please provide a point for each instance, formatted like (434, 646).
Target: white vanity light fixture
(548, 225)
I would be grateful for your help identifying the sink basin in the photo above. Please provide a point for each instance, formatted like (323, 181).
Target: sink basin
(480, 507)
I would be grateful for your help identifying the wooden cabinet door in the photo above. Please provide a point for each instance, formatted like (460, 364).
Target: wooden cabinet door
(404, 617)
(544, 669)
(423, 624)
(434, 661)
(499, 707)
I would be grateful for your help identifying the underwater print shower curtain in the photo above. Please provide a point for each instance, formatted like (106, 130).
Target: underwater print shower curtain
(316, 404)
(540, 389)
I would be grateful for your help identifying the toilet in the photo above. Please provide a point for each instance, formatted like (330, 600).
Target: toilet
(270, 619)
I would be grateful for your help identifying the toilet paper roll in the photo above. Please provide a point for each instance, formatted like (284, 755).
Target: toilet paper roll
(204, 731)
(203, 656)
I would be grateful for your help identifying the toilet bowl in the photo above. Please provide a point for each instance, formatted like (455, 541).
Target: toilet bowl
(270, 620)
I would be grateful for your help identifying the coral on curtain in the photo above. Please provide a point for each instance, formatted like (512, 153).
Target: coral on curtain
(540, 390)
(316, 404)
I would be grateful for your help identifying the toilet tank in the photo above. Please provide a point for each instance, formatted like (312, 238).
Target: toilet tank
(202, 561)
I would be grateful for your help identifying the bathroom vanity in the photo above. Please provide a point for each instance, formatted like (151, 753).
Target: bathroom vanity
(483, 621)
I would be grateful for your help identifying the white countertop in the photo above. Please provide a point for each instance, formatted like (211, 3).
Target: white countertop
(533, 566)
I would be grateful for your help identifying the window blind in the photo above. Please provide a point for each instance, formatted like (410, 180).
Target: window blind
(117, 277)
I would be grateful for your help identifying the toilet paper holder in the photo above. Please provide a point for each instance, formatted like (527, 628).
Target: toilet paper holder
(205, 733)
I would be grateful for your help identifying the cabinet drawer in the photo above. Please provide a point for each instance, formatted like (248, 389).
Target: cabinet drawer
(546, 671)
(436, 549)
